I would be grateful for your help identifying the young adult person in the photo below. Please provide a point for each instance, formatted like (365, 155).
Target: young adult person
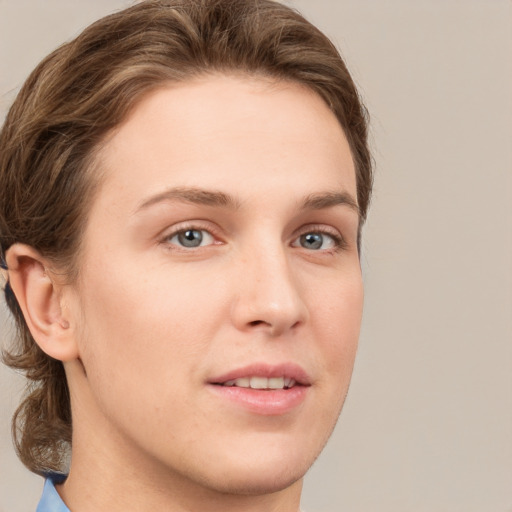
(182, 191)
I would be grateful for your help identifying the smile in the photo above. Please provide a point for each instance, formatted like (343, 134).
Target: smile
(263, 389)
(261, 382)
(264, 376)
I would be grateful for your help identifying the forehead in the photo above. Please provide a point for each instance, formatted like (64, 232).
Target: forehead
(227, 130)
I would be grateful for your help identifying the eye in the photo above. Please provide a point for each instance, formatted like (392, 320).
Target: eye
(191, 238)
(316, 241)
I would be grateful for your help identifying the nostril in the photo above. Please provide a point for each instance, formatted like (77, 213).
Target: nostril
(255, 323)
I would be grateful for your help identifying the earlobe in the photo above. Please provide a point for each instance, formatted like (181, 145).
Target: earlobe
(40, 299)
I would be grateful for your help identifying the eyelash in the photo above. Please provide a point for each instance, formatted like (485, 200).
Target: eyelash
(339, 242)
(183, 228)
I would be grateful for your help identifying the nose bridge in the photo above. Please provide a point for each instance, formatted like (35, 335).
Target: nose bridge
(269, 295)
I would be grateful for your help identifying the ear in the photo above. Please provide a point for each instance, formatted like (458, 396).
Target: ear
(40, 297)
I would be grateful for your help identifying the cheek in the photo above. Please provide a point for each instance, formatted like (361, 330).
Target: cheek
(336, 320)
(340, 317)
(144, 325)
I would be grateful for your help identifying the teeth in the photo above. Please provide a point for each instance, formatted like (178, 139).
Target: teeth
(288, 383)
(243, 382)
(262, 382)
(259, 383)
(276, 383)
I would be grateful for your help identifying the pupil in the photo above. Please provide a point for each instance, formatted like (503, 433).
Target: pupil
(312, 240)
(190, 238)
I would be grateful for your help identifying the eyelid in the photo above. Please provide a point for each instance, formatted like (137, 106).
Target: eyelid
(324, 229)
(198, 225)
(203, 225)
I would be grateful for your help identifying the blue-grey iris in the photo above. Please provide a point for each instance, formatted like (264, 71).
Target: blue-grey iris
(190, 238)
(312, 240)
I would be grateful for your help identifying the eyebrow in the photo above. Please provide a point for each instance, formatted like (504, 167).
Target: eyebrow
(316, 201)
(195, 196)
(324, 200)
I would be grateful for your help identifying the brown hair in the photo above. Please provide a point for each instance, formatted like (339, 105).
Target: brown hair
(84, 89)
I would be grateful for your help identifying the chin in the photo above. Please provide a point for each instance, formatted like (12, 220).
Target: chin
(256, 482)
(265, 471)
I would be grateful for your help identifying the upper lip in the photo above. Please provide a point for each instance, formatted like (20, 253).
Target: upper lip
(286, 370)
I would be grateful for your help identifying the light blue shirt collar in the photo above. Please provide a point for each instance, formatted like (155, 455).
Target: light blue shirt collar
(50, 500)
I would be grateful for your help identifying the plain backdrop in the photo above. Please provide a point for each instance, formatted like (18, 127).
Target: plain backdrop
(428, 422)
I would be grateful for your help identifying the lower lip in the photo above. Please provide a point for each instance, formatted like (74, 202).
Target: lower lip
(265, 402)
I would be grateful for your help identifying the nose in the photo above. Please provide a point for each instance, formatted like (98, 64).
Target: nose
(268, 295)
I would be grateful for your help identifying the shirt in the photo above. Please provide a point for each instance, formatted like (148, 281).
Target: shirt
(50, 500)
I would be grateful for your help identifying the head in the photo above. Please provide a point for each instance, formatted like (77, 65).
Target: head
(108, 133)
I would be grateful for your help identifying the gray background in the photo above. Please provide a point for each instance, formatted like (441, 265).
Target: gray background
(428, 422)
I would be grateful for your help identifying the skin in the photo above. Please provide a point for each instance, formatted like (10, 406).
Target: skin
(149, 322)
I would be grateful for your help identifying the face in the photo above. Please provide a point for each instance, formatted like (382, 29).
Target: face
(220, 293)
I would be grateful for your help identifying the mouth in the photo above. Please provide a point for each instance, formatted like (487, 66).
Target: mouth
(263, 376)
(261, 383)
(263, 389)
